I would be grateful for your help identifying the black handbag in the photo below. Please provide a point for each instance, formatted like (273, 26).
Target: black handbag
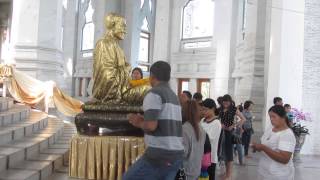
(181, 175)
(236, 138)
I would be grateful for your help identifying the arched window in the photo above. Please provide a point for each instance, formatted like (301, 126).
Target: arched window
(144, 55)
(144, 48)
(197, 23)
(88, 30)
(244, 17)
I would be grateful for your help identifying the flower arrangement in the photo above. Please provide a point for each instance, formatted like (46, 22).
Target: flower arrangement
(298, 117)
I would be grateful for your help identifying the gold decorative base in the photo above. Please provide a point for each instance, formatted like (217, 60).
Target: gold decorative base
(97, 106)
(103, 157)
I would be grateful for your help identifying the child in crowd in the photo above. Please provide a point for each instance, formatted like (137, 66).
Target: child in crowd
(290, 116)
(238, 132)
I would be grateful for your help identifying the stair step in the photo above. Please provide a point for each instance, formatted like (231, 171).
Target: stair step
(16, 114)
(13, 156)
(33, 144)
(43, 167)
(62, 152)
(19, 130)
(17, 174)
(5, 103)
(59, 146)
(56, 160)
(63, 169)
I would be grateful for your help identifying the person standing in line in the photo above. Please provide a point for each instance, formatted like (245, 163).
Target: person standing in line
(162, 124)
(227, 115)
(290, 115)
(185, 96)
(277, 147)
(278, 101)
(219, 101)
(212, 126)
(197, 97)
(188, 94)
(239, 131)
(247, 127)
(193, 139)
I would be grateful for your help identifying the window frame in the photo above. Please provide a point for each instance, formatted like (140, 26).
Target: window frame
(140, 62)
(199, 83)
(180, 80)
(84, 51)
(183, 40)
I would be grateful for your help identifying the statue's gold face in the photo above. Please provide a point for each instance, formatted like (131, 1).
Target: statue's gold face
(120, 29)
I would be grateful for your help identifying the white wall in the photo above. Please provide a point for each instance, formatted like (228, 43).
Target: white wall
(284, 58)
(311, 75)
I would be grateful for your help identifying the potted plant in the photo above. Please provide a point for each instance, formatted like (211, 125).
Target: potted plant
(298, 129)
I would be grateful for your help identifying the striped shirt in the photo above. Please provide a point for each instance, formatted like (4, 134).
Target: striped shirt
(165, 143)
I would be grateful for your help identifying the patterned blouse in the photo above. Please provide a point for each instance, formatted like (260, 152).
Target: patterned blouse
(227, 118)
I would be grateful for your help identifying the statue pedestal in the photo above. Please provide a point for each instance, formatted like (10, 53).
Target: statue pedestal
(107, 120)
(103, 157)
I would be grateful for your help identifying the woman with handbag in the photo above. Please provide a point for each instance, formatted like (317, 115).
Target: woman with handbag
(211, 124)
(227, 115)
(193, 140)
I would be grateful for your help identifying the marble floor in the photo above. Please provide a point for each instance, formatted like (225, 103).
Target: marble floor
(307, 168)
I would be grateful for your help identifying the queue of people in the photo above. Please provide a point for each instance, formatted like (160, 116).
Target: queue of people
(186, 137)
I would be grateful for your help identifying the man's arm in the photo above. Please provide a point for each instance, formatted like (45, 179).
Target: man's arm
(138, 121)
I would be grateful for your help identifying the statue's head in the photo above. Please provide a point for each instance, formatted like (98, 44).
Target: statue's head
(116, 25)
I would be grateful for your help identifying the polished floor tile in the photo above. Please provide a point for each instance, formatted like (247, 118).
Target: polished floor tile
(307, 168)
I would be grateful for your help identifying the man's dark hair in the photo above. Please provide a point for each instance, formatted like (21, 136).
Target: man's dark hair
(286, 106)
(197, 96)
(161, 71)
(247, 104)
(276, 99)
(188, 94)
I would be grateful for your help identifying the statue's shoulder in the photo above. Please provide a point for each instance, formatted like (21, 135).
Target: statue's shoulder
(105, 43)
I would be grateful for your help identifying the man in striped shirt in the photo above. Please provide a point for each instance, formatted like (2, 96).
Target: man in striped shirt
(162, 124)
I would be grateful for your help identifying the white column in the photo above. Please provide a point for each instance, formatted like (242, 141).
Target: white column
(36, 38)
(70, 44)
(84, 87)
(130, 10)
(284, 52)
(77, 86)
(223, 34)
(193, 85)
(162, 34)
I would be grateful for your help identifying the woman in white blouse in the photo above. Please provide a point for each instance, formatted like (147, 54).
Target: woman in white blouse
(277, 146)
(212, 126)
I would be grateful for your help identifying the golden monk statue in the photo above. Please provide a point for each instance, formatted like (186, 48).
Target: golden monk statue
(111, 70)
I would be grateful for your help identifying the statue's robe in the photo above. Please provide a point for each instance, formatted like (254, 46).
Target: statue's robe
(111, 75)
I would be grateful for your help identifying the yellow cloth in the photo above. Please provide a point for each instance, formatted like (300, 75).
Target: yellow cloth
(140, 82)
(66, 104)
(103, 157)
(31, 91)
